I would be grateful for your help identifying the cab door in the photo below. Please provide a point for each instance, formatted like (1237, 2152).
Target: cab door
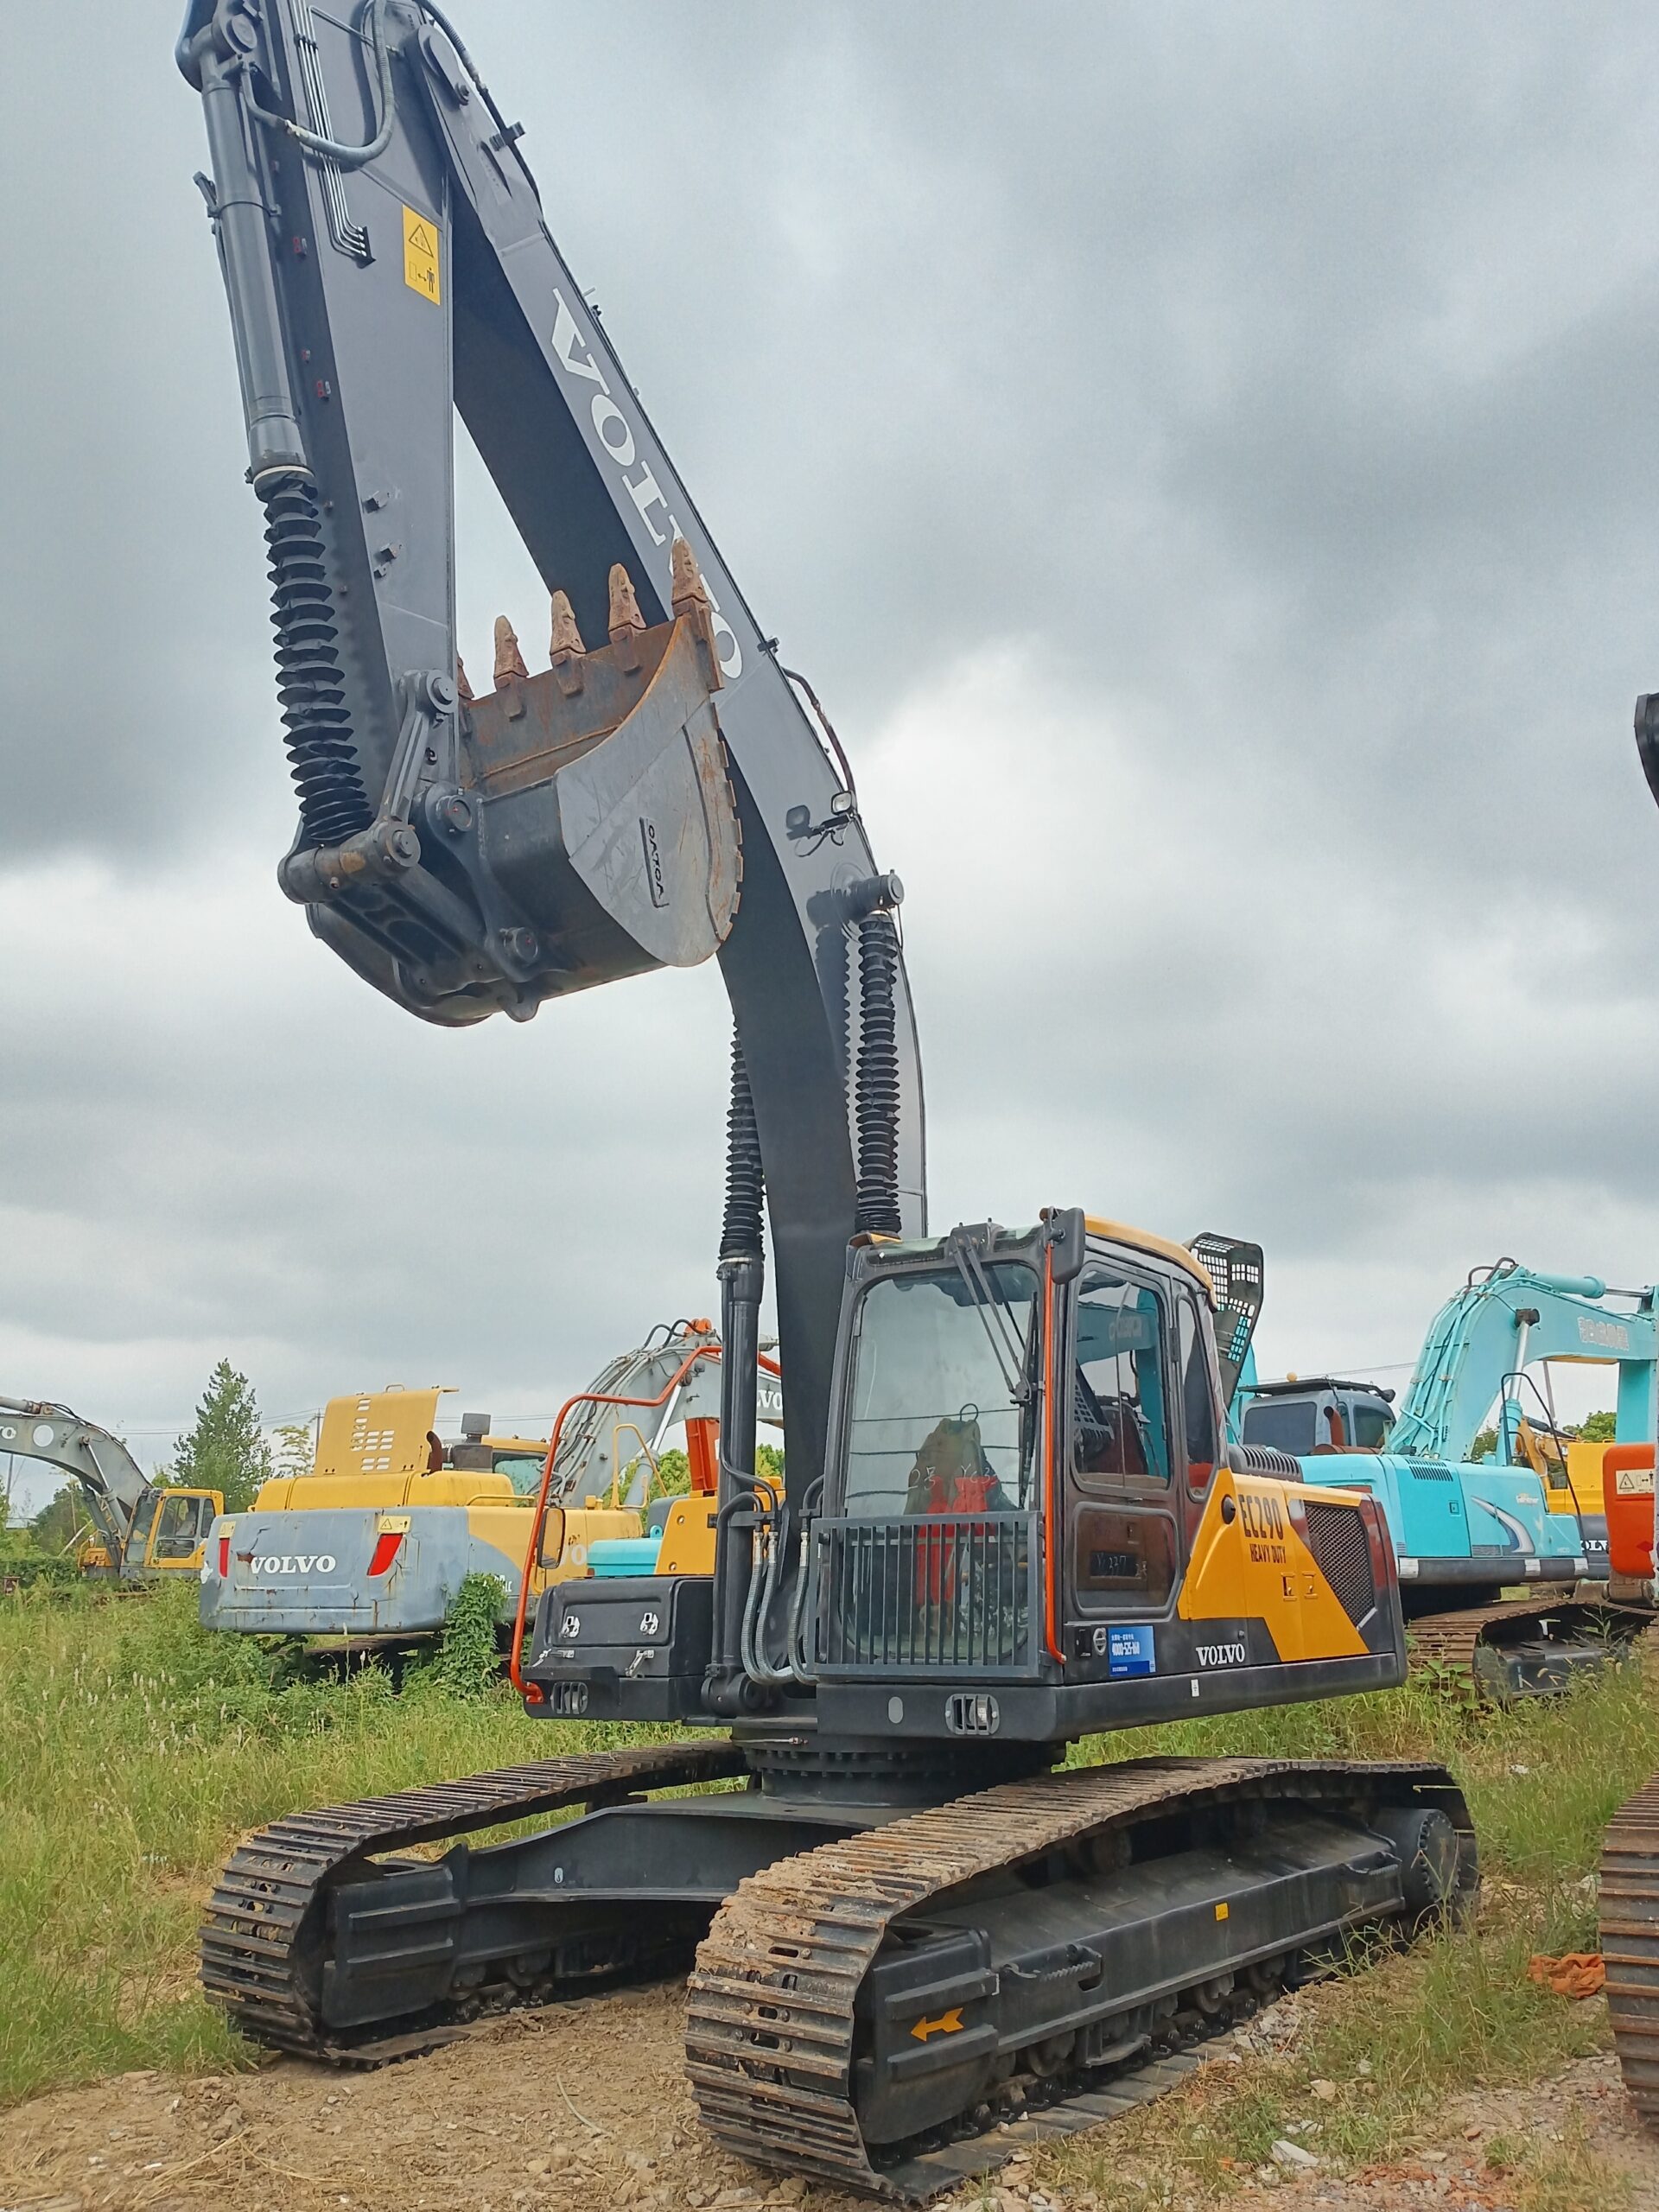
(1123, 1474)
(179, 1530)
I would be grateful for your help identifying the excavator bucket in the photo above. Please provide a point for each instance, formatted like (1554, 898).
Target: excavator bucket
(590, 802)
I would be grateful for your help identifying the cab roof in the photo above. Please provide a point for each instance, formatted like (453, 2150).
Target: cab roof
(1163, 1248)
(1145, 1241)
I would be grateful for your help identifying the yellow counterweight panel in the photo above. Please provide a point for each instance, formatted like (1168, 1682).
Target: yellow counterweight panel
(1584, 1475)
(1250, 1563)
(381, 1433)
(688, 1545)
(448, 1486)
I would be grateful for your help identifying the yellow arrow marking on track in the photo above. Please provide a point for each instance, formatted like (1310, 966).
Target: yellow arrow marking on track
(947, 2024)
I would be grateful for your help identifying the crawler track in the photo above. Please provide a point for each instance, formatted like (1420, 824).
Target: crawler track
(1451, 1640)
(1629, 1945)
(262, 1935)
(771, 2019)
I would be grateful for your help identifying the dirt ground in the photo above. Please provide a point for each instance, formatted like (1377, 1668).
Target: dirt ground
(583, 2109)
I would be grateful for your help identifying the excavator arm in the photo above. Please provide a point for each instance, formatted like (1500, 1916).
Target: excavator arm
(385, 259)
(1480, 1341)
(111, 1481)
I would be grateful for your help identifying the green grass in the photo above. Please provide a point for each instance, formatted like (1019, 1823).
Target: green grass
(135, 1750)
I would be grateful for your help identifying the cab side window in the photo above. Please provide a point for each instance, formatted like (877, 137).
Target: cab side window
(1120, 1431)
(1371, 1427)
(1198, 1395)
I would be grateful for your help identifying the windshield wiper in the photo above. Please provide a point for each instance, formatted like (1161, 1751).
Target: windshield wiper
(1012, 1355)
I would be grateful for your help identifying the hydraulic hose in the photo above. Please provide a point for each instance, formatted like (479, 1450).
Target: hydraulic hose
(728, 1687)
(876, 1095)
(373, 14)
(310, 683)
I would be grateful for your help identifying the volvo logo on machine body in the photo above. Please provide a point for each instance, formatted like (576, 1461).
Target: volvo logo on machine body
(616, 432)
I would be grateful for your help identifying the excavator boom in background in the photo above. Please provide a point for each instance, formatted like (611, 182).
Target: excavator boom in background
(1006, 1517)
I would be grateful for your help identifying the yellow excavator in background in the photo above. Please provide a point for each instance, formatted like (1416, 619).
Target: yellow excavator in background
(374, 1543)
(145, 1531)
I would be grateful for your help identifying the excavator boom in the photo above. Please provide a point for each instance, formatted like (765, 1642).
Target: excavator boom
(386, 257)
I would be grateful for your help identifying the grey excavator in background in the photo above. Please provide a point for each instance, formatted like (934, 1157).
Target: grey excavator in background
(1007, 1518)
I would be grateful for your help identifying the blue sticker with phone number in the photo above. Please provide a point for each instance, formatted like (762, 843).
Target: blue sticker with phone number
(1131, 1651)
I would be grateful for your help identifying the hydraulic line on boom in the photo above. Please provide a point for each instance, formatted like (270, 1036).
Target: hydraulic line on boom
(1009, 1517)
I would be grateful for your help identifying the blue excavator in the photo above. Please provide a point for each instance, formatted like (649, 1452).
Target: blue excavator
(1531, 1515)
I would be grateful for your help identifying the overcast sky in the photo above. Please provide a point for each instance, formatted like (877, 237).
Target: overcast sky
(1203, 456)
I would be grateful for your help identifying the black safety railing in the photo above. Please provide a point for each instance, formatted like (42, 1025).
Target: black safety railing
(933, 1593)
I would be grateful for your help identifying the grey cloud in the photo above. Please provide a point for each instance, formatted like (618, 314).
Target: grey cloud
(1202, 456)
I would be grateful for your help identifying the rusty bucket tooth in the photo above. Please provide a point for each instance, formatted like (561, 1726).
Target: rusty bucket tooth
(463, 689)
(686, 588)
(566, 639)
(509, 661)
(624, 608)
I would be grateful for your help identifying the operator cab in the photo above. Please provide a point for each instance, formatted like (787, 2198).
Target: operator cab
(1309, 1413)
(1028, 1525)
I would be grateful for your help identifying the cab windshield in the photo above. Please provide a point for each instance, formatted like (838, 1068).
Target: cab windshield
(942, 1412)
(1281, 1424)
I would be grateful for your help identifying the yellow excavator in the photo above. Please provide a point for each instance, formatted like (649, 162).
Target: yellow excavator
(369, 1548)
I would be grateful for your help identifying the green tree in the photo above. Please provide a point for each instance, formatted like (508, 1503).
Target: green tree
(673, 1475)
(61, 1524)
(1485, 1445)
(295, 1452)
(226, 1449)
(1600, 1429)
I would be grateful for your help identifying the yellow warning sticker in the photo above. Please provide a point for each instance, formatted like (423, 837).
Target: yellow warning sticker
(421, 255)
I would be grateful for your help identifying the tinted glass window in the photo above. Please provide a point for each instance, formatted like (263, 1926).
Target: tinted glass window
(176, 1535)
(1119, 1422)
(939, 1421)
(1371, 1426)
(1120, 1562)
(525, 1474)
(1198, 1406)
(1282, 1426)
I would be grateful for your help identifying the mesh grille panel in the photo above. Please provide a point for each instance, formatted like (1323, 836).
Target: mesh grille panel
(1336, 1537)
(1430, 1470)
